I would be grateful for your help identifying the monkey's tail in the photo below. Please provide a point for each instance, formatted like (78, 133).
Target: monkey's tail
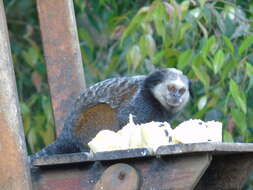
(57, 147)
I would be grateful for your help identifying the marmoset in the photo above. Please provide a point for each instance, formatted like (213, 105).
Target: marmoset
(159, 96)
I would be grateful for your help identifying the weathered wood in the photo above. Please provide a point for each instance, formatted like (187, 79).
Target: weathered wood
(85, 157)
(63, 159)
(215, 148)
(169, 172)
(14, 169)
(171, 167)
(173, 172)
(63, 57)
(227, 172)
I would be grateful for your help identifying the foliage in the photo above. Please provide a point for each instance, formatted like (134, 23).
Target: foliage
(212, 43)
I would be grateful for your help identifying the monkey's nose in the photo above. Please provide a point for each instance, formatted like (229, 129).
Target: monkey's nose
(176, 94)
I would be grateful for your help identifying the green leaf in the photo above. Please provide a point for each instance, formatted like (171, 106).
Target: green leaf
(229, 44)
(25, 110)
(245, 45)
(184, 59)
(202, 102)
(147, 45)
(185, 6)
(249, 69)
(203, 29)
(200, 72)
(207, 62)
(202, 2)
(227, 137)
(134, 56)
(139, 18)
(228, 67)
(226, 102)
(32, 100)
(240, 120)
(183, 30)
(158, 57)
(159, 15)
(208, 45)
(31, 56)
(238, 96)
(84, 36)
(218, 61)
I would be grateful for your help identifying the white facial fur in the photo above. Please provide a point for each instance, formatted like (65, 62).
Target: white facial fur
(174, 70)
(162, 94)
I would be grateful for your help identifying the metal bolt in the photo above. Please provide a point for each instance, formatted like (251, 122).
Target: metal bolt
(122, 175)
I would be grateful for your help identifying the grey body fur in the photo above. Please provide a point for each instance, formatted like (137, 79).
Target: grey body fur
(143, 101)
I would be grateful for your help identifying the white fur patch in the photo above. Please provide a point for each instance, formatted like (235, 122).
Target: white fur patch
(174, 70)
(160, 91)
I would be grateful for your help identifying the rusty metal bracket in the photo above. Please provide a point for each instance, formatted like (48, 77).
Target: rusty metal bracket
(63, 56)
(14, 168)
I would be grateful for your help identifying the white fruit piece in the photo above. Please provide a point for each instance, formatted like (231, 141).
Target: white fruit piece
(196, 131)
(154, 135)
(132, 134)
(214, 131)
(107, 140)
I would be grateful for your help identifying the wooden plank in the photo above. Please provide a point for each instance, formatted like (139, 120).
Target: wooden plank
(63, 57)
(213, 148)
(62, 159)
(14, 168)
(172, 167)
(173, 172)
(227, 172)
(170, 172)
(86, 157)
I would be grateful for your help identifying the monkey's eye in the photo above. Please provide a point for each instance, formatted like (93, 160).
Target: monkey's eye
(172, 88)
(182, 90)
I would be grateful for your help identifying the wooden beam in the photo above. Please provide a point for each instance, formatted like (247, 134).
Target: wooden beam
(168, 172)
(14, 168)
(227, 172)
(63, 57)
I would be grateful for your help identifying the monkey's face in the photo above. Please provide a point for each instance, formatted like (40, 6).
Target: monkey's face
(173, 93)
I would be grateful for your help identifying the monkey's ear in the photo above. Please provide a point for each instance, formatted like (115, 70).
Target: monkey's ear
(190, 89)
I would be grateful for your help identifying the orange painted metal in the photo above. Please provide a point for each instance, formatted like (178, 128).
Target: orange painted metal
(63, 57)
(14, 168)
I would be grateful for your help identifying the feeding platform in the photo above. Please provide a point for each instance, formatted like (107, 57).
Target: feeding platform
(208, 166)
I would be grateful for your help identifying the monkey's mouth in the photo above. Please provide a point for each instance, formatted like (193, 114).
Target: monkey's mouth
(174, 102)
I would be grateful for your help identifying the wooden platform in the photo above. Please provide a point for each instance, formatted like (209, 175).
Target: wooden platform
(185, 166)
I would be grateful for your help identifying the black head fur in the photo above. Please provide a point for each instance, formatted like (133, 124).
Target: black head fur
(190, 89)
(154, 79)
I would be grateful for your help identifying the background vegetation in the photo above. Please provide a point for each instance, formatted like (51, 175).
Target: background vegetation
(211, 41)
